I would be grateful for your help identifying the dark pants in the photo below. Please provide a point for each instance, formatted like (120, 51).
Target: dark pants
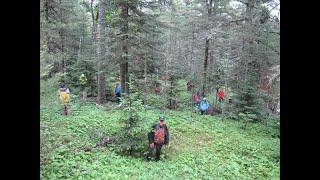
(202, 111)
(118, 97)
(158, 152)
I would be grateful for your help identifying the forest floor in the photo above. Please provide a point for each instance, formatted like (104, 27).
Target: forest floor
(201, 146)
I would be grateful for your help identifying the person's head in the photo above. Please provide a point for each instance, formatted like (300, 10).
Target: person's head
(204, 99)
(161, 119)
(62, 85)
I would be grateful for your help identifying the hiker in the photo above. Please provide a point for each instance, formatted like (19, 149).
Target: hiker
(117, 91)
(64, 95)
(157, 89)
(158, 136)
(196, 100)
(220, 95)
(190, 85)
(204, 105)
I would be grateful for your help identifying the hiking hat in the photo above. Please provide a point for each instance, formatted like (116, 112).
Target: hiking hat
(161, 118)
(204, 98)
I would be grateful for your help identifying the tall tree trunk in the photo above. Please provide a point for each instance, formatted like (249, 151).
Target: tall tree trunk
(191, 57)
(62, 38)
(94, 29)
(47, 7)
(206, 53)
(205, 65)
(248, 40)
(124, 73)
(102, 54)
(79, 50)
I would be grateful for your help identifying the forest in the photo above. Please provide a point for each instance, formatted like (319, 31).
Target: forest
(111, 69)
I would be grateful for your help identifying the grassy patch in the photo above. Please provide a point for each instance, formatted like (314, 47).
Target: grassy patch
(201, 147)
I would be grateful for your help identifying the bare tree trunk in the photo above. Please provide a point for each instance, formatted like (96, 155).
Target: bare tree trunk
(205, 66)
(192, 60)
(102, 54)
(62, 39)
(124, 75)
(79, 50)
(85, 94)
(94, 32)
(248, 40)
(145, 80)
(206, 53)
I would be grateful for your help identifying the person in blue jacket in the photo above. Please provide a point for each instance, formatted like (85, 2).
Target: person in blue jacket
(204, 105)
(117, 91)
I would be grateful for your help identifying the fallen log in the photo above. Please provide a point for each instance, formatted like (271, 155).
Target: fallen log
(103, 142)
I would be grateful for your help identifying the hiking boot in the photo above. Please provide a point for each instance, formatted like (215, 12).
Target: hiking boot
(148, 158)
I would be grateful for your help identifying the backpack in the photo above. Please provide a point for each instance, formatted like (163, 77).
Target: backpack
(159, 135)
(64, 97)
(203, 102)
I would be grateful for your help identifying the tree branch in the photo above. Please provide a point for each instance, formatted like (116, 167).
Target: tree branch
(91, 5)
(242, 2)
(274, 7)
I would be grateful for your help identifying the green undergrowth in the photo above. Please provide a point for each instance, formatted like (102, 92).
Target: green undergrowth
(204, 147)
(201, 146)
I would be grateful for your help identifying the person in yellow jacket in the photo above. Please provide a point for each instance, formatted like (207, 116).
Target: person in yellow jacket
(64, 95)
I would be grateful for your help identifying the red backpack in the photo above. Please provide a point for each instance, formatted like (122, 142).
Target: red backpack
(159, 135)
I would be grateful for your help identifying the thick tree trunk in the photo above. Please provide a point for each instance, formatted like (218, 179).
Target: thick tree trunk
(124, 75)
(206, 53)
(248, 40)
(102, 54)
(62, 38)
(94, 30)
(205, 66)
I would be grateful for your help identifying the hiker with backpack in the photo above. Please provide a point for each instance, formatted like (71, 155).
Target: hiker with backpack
(220, 95)
(204, 105)
(64, 95)
(196, 100)
(158, 136)
(117, 91)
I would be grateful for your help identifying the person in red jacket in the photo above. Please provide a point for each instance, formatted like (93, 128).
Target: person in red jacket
(196, 100)
(220, 95)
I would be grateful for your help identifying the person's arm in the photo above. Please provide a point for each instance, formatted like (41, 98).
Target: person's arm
(151, 137)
